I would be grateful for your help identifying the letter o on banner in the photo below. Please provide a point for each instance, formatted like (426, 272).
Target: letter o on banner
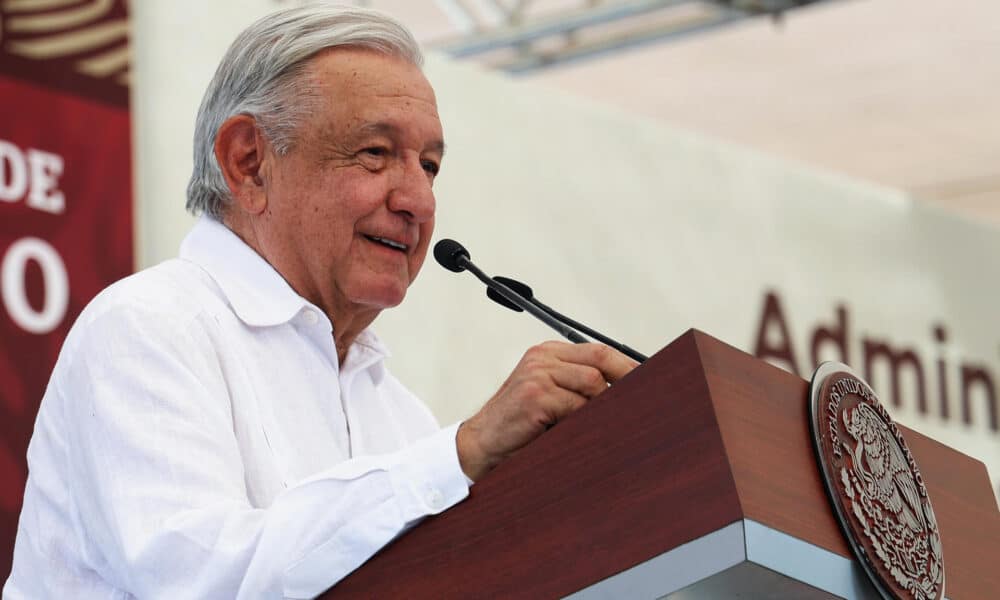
(56, 285)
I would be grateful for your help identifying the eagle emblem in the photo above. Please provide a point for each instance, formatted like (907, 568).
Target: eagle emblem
(876, 487)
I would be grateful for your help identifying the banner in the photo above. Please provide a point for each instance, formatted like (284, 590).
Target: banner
(65, 200)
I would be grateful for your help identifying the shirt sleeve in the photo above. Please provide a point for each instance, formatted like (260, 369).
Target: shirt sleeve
(157, 478)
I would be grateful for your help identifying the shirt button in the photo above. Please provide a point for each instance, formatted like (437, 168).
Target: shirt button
(310, 317)
(435, 500)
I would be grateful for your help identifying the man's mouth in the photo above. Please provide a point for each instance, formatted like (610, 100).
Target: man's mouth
(387, 242)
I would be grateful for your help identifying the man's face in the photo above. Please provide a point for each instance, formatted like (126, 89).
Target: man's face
(350, 210)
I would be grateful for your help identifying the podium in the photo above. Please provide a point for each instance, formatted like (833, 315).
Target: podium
(692, 477)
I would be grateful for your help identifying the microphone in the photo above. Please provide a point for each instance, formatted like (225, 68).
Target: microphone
(525, 291)
(454, 257)
(449, 253)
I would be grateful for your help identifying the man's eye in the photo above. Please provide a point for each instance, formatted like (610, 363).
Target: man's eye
(430, 166)
(375, 151)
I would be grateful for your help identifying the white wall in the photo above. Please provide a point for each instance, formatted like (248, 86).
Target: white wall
(634, 228)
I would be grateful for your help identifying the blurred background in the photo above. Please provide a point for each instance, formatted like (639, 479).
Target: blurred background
(803, 180)
(896, 92)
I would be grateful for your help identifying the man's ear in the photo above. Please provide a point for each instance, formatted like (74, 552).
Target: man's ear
(239, 150)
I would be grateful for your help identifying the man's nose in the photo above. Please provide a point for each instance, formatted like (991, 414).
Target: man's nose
(411, 193)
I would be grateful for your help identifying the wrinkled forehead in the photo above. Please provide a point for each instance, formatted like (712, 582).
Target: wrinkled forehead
(363, 91)
(370, 73)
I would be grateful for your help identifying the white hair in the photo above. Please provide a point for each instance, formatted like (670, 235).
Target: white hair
(263, 75)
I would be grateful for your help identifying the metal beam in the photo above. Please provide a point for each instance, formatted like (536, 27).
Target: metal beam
(572, 35)
(576, 52)
(561, 24)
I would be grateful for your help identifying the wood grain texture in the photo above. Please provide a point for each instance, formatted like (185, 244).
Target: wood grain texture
(640, 470)
(763, 414)
(967, 516)
(699, 436)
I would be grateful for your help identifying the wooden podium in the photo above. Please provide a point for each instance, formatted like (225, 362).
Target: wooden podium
(692, 477)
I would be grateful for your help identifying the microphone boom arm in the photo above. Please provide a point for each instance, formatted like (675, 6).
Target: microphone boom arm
(515, 298)
(627, 351)
(525, 292)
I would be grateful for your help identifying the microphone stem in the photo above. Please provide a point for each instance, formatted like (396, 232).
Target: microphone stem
(520, 301)
(631, 353)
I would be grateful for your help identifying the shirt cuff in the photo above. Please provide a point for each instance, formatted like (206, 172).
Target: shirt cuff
(429, 478)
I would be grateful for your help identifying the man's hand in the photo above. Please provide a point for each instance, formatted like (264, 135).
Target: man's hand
(551, 381)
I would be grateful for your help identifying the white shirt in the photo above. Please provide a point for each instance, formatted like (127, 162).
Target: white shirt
(199, 440)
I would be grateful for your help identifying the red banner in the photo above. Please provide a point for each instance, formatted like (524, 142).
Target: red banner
(65, 200)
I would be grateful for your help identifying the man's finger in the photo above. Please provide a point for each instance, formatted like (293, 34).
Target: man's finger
(585, 380)
(611, 363)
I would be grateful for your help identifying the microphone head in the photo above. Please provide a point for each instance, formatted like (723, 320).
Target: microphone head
(449, 253)
(521, 289)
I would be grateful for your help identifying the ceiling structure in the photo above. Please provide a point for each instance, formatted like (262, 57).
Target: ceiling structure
(525, 35)
(901, 93)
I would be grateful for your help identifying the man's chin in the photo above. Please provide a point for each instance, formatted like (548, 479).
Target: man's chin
(380, 299)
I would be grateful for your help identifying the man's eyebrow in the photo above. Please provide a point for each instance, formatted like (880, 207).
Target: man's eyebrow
(379, 128)
(437, 146)
(391, 130)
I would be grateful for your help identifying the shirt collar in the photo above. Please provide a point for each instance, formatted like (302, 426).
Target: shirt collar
(258, 294)
(367, 352)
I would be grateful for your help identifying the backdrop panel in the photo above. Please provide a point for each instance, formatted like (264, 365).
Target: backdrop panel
(65, 201)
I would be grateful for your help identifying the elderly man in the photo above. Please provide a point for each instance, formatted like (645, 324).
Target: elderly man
(222, 425)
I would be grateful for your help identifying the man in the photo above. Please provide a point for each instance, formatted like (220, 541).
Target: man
(221, 425)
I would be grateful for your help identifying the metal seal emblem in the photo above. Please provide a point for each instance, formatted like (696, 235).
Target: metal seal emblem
(875, 487)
